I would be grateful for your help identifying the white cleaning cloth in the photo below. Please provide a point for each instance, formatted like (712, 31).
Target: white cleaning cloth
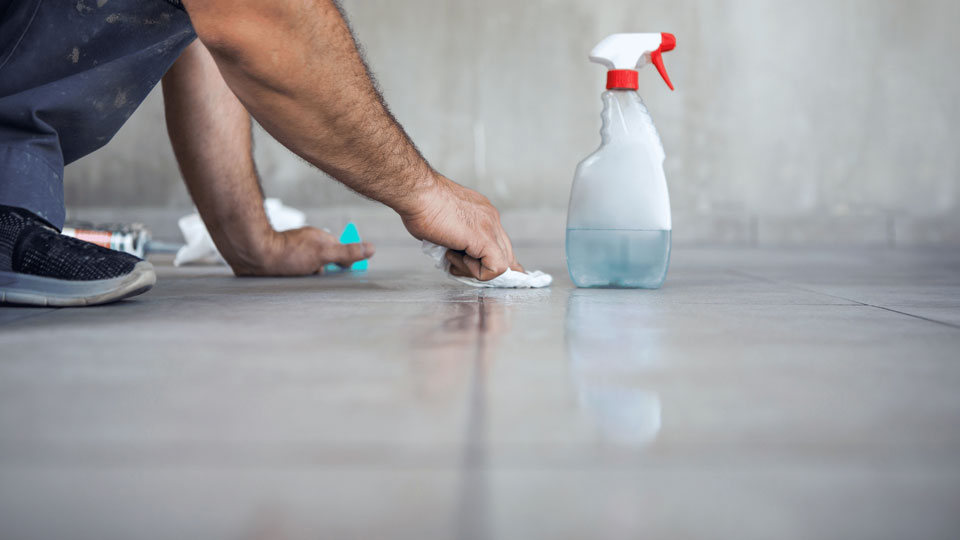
(200, 249)
(510, 279)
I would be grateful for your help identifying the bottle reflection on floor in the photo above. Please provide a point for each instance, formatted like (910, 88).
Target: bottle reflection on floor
(611, 344)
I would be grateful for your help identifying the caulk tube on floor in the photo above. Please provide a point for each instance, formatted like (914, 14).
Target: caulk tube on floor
(130, 238)
(618, 222)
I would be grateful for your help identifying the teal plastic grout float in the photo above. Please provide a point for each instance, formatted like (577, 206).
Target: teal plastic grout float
(350, 235)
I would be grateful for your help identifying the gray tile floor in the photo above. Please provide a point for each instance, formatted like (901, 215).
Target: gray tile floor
(760, 394)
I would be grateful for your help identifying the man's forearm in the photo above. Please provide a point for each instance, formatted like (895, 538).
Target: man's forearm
(210, 133)
(295, 66)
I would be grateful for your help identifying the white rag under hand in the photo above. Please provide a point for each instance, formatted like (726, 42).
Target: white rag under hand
(511, 279)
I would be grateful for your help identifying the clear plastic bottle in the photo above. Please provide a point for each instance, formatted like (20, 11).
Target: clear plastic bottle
(618, 222)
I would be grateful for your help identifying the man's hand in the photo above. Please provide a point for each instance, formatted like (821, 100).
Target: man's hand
(464, 221)
(300, 252)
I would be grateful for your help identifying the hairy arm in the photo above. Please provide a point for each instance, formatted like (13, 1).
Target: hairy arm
(210, 132)
(295, 66)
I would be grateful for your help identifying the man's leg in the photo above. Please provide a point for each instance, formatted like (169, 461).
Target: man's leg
(71, 73)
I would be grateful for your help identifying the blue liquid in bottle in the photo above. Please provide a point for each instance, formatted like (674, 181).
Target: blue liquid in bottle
(618, 258)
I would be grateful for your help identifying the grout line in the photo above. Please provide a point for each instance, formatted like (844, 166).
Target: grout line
(950, 325)
(51, 311)
(794, 286)
(857, 302)
(865, 304)
(472, 512)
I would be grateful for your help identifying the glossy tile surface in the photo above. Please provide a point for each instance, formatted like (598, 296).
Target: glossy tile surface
(759, 394)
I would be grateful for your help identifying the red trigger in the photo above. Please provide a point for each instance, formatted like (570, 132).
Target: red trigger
(667, 43)
(657, 58)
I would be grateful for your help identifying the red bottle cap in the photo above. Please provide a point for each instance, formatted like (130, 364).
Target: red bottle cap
(622, 79)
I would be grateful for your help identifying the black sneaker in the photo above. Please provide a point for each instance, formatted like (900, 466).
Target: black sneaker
(41, 267)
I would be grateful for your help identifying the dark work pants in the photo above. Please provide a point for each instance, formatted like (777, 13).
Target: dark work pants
(71, 73)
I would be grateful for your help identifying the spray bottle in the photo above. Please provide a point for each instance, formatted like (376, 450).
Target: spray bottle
(618, 222)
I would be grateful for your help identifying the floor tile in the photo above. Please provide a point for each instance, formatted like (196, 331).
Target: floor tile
(812, 390)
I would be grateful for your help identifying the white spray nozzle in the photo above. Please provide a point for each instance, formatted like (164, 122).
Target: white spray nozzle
(631, 52)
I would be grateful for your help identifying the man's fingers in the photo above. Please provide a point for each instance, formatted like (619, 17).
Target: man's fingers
(459, 272)
(489, 265)
(347, 254)
(462, 264)
(484, 269)
(477, 269)
(457, 267)
(505, 239)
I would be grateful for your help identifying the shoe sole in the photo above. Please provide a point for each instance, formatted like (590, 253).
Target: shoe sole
(43, 291)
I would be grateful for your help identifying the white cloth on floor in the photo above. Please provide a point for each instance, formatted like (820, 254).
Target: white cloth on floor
(510, 279)
(200, 249)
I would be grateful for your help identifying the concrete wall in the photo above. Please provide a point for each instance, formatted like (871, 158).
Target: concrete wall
(823, 121)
